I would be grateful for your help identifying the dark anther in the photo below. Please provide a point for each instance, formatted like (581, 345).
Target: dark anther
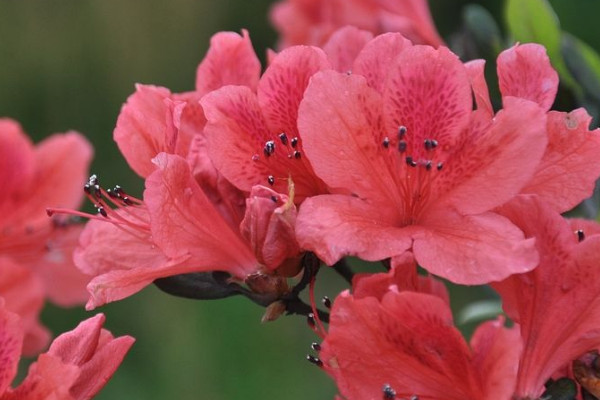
(401, 131)
(127, 201)
(102, 212)
(310, 320)
(314, 360)
(274, 199)
(388, 392)
(315, 346)
(440, 166)
(410, 161)
(402, 146)
(580, 235)
(414, 397)
(93, 180)
(386, 142)
(97, 191)
(297, 155)
(294, 142)
(430, 144)
(271, 180)
(118, 190)
(326, 301)
(86, 188)
(269, 148)
(283, 138)
(428, 165)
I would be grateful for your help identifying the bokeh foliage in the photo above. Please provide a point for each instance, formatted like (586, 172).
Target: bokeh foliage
(70, 64)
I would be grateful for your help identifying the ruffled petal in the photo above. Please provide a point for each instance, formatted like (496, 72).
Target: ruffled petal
(344, 45)
(11, 344)
(230, 60)
(17, 164)
(570, 166)
(185, 223)
(334, 226)
(473, 249)
(475, 70)
(525, 71)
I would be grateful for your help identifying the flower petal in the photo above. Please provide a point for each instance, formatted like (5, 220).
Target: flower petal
(11, 344)
(185, 223)
(334, 226)
(344, 45)
(17, 164)
(230, 60)
(570, 166)
(525, 71)
(475, 70)
(473, 249)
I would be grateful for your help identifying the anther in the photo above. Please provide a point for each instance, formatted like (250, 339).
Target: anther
(271, 180)
(326, 301)
(269, 148)
(386, 142)
(283, 137)
(310, 320)
(401, 131)
(388, 392)
(93, 180)
(440, 166)
(102, 212)
(294, 142)
(315, 346)
(430, 144)
(402, 146)
(314, 360)
(274, 199)
(297, 155)
(86, 188)
(428, 165)
(127, 201)
(580, 235)
(410, 161)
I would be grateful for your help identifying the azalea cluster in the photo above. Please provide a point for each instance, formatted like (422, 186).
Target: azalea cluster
(364, 137)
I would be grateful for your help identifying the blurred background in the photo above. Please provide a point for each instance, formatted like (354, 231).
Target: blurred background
(70, 64)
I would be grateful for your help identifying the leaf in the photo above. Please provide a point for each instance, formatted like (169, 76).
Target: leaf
(479, 311)
(482, 25)
(584, 64)
(534, 21)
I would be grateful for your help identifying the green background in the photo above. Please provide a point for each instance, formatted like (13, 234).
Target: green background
(70, 65)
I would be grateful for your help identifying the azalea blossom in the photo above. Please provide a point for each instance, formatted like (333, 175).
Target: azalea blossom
(313, 21)
(557, 305)
(404, 336)
(35, 248)
(413, 167)
(76, 367)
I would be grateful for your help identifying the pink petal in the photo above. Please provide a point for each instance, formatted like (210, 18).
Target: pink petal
(145, 127)
(496, 352)
(23, 294)
(476, 71)
(413, 19)
(342, 134)
(495, 159)
(570, 166)
(235, 132)
(403, 275)
(375, 58)
(525, 71)
(407, 341)
(11, 344)
(184, 222)
(17, 164)
(428, 92)
(473, 249)
(344, 45)
(230, 61)
(283, 84)
(334, 226)
(564, 287)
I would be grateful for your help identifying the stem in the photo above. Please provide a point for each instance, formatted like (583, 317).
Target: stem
(342, 268)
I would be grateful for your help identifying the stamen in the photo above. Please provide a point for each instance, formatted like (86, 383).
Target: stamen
(315, 346)
(271, 180)
(269, 148)
(326, 301)
(580, 235)
(283, 137)
(314, 360)
(386, 142)
(428, 165)
(294, 142)
(440, 166)
(430, 144)
(297, 155)
(410, 161)
(402, 146)
(401, 131)
(388, 392)
(274, 199)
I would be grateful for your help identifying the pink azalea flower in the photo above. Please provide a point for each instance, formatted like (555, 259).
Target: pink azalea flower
(557, 305)
(414, 167)
(76, 367)
(409, 345)
(313, 21)
(570, 166)
(35, 248)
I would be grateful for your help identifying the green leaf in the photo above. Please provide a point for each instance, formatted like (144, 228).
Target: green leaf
(480, 311)
(534, 21)
(583, 63)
